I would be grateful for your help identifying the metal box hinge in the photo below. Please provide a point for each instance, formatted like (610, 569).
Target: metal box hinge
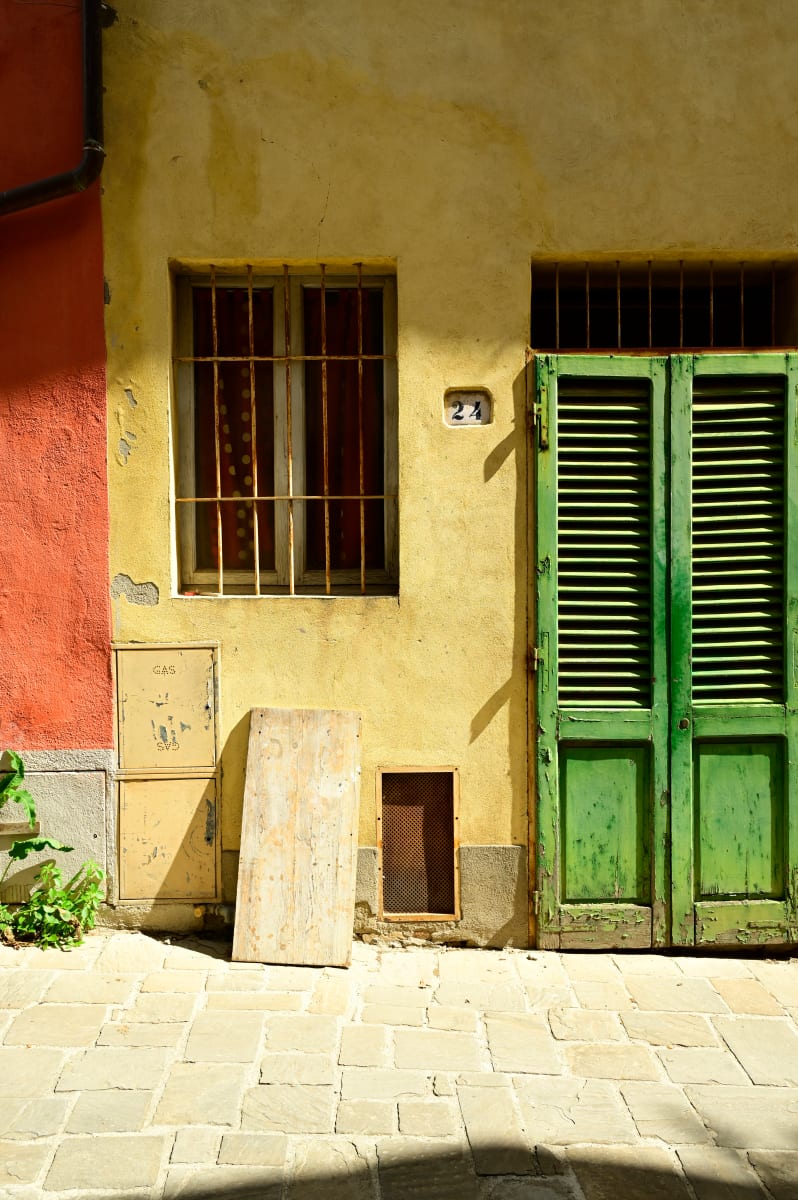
(536, 903)
(534, 659)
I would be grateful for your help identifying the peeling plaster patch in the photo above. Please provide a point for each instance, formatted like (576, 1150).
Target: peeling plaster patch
(126, 444)
(131, 399)
(135, 593)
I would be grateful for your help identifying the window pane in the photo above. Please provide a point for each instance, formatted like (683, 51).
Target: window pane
(245, 391)
(351, 419)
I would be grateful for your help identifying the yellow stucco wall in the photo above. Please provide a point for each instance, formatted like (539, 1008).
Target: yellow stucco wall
(457, 141)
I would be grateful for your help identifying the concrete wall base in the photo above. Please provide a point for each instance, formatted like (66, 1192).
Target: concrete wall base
(493, 901)
(493, 896)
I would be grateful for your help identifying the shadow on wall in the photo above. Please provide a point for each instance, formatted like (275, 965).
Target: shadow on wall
(404, 1169)
(513, 691)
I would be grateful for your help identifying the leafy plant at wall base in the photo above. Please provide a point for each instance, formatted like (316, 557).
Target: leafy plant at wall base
(11, 788)
(55, 913)
(58, 914)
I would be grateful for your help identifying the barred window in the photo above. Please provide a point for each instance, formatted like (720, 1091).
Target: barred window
(287, 433)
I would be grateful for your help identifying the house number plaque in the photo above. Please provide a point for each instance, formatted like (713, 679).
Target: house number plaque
(467, 406)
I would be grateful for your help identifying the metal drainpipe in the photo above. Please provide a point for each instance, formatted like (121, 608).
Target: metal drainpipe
(89, 167)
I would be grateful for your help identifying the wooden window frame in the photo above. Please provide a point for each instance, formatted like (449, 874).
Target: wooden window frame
(290, 547)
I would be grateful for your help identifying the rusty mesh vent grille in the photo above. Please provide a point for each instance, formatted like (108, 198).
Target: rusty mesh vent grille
(418, 842)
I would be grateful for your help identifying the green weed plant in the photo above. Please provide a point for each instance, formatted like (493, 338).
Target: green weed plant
(56, 913)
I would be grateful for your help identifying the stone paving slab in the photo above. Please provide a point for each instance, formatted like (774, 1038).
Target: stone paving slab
(288, 1108)
(767, 1049)
(203, 1094)
(336, 1170)
(663, 1111)
(645, 1173)
(755, 1118)
(523, 1043)
(157, 1068)
(669, 1029)
(107, 1162)
(109, 1112)
(778, 1170)
(699, 1065)
(114, 1067)
(21, 1162)
(719, 1174)
(26, 1120)
(565, 1111)
(497, 1138)
(56, 1025)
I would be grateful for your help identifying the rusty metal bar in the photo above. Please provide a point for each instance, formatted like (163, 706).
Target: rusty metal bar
(280, 358)
(618, 298)
(742, 304)
(531, 303)
(681, 303)
(325, 432)
(360, 452)
(216, 447)
(712, 303)
(289, 433)
(556, 306)
(277, 496)
(650, 308)
(253, 432)
(587, 305)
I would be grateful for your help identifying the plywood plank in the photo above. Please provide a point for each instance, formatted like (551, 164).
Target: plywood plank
(296, 879)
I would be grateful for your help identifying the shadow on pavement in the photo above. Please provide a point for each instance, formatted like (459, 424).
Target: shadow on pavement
(447, 1173)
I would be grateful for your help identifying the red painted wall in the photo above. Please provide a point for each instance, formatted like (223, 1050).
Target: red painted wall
(55, 681)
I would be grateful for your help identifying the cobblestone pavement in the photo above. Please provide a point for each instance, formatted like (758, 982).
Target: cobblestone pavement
(133, 1067)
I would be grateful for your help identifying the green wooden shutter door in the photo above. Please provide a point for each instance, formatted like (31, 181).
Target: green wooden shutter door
(666, 774)
(732, 723)
(601, 697)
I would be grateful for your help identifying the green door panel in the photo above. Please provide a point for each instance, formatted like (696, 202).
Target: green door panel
(732, 605)
(605, 821)
(739, 799)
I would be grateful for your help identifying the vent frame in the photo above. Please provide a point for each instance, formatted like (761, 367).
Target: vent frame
(418, 916)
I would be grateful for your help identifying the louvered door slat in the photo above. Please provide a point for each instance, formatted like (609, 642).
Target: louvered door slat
(738, 545)
(603, 544)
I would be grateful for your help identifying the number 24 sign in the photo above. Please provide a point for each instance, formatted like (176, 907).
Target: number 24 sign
(467, 406)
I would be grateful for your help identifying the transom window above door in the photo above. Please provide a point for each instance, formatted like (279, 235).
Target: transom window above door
(287, 432)
(663, 306)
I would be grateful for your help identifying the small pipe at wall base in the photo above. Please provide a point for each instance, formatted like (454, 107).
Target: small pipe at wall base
(218, 913)
(54, 187)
